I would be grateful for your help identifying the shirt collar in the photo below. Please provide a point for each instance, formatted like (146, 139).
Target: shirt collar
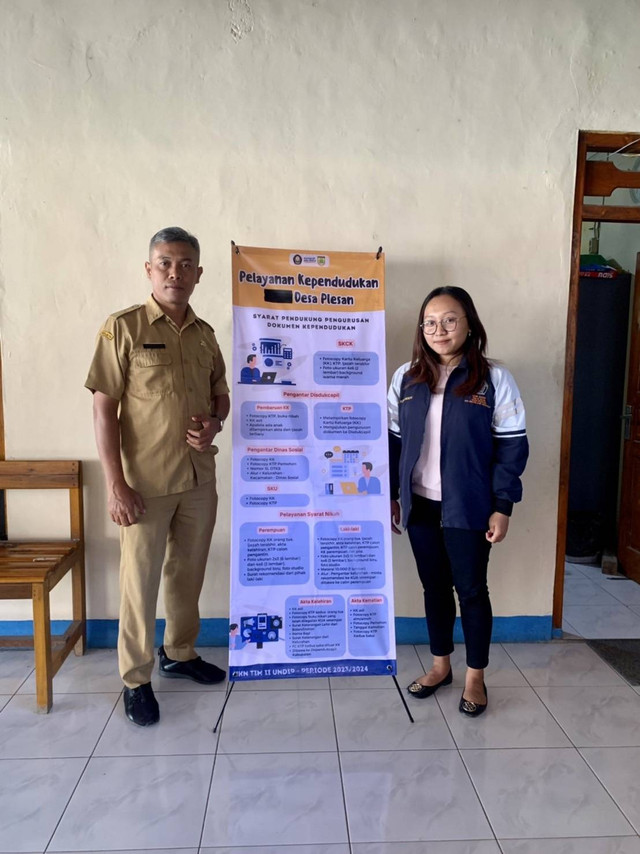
(154, 312)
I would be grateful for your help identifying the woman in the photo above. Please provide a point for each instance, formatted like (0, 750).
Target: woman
(458, 446)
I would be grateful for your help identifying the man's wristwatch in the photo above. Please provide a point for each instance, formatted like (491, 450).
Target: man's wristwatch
(221, 420)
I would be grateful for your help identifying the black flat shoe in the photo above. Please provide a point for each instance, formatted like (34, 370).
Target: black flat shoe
(473, 709)
(420, 691)
(140, 705)
(198, 670)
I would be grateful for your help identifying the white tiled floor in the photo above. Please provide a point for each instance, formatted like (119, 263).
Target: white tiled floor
(598, 605)
(326, 766)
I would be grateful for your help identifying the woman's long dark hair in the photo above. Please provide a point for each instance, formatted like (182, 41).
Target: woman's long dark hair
(424, 361)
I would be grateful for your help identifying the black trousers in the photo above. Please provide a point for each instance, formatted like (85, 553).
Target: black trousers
(448, 558)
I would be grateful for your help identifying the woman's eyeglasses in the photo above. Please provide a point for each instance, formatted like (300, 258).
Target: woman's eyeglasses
(449, 324)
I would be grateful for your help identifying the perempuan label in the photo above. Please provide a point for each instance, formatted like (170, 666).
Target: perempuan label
(297, 259)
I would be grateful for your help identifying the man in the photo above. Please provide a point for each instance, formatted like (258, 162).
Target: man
(250, 373)
(368, 485)
(159, 399)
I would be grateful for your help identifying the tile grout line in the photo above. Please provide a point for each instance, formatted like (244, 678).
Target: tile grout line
(578, 687)
(28, 676)
(534, 689)
(612, 799)
(571, 630)
(577, 642)
(84, 770)
(464, 765)
(610, 666)
(515, 664)
(571, 742)
(576, 750)
(629, 612)
(633, 833)
(342, 788)
(213, 768)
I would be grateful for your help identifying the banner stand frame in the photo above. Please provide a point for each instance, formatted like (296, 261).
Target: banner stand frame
(404, 702)
(356, 280)
(226, 699)
(232, 683)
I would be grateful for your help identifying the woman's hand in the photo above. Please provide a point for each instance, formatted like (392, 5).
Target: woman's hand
(395, 517)
(498, 527)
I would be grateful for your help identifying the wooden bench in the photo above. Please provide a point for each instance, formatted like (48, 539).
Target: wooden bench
(30, 569)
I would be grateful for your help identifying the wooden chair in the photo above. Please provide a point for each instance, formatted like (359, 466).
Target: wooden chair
(30, 569)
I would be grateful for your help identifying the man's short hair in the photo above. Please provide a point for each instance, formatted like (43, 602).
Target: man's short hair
(251, 358)
(368, 466)
(174, 234)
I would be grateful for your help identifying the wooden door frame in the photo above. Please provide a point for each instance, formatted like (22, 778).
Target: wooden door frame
(625, 521)
(588, 142)
(3, 497)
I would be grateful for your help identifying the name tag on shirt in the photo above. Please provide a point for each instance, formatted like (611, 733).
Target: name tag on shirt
(154, 346)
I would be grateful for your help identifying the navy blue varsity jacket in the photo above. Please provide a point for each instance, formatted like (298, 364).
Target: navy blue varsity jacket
(483, 446)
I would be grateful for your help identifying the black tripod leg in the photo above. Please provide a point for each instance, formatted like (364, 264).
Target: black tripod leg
(404, 702)
(224, 705)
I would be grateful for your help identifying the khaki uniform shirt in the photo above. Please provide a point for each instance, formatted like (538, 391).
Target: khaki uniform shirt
(162, 376)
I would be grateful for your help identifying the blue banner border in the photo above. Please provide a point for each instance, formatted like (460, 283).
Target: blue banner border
(313, 669)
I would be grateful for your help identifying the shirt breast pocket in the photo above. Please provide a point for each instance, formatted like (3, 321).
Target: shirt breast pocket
(206, 360)
(150, 374)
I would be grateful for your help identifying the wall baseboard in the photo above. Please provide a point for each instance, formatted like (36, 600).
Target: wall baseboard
(410, 630)
(214, 631)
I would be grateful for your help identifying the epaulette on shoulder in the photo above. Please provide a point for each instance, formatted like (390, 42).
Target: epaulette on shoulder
(208, 325)
(124, 311)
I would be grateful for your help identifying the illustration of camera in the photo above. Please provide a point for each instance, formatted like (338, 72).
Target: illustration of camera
(260, 629)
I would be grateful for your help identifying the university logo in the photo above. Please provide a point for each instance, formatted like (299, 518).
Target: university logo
(480, 397)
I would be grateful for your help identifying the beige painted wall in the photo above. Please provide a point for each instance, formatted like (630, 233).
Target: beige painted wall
(443, 129)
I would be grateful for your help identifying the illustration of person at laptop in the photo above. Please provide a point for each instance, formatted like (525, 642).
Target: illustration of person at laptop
(368, 484)
(250, 373)
(236, 641)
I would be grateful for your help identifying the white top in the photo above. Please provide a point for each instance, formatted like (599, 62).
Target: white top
(425, 480)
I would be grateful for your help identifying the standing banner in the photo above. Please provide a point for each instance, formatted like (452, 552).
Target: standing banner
(311, 578)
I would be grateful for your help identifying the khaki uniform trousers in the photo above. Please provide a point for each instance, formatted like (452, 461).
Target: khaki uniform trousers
(171, 540)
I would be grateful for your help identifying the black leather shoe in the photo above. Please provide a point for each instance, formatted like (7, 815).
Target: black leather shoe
(196, 669)
(420, 691)
(140, 705)
(473, 709)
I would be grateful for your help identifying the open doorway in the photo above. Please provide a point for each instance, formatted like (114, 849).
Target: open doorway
(599, 495)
